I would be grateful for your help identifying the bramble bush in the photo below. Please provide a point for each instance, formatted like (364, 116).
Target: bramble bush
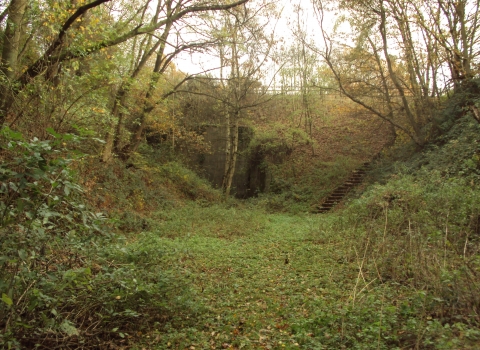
(64, 279)
(42, 222)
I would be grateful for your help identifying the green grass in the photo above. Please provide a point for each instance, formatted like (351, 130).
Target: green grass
(277, 281)
(255, 275)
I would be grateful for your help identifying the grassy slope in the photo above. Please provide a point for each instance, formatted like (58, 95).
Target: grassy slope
(343, 138)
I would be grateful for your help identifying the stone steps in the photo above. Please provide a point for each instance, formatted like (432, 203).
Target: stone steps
(341, 191)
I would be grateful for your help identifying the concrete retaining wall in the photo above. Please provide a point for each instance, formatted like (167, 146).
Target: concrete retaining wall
(249, 177)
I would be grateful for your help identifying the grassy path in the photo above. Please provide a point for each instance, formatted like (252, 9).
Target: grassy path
(255, 280)
(238, 278)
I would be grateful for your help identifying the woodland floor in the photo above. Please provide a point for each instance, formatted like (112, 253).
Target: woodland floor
(237, 278)
(257, 277)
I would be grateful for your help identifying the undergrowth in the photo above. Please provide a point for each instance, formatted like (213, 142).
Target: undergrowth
(416, 246)
(67, 280)
(130, 195)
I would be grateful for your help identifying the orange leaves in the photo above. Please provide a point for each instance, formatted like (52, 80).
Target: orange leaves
(163, 125)
(98, 110)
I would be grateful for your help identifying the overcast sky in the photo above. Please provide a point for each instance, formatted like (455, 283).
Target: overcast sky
(196, 63)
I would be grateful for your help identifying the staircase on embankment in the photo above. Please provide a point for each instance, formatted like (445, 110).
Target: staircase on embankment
(340, 192)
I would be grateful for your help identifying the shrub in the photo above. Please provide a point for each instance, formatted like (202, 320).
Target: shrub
(42, 225)
(422, 232)
(64, 280)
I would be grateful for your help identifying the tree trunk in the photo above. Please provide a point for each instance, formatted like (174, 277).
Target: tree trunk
(231, 143)
(136, 66)
(11, 47)
(159, 68)
(232, 161)
(107, 154)
(466, 57)
(418, 136)
(228, 148)
(11, 39)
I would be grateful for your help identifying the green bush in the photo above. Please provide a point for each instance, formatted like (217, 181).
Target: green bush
(43, 227)
(64, 279)
(422, 232)
(187, 182)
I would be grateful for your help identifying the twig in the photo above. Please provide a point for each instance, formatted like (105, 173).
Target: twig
(465, 247)
(386, 223)
(381, 319)
(360, 272)
(445, 244)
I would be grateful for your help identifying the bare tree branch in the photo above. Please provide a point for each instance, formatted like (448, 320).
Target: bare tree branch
(37, 67)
